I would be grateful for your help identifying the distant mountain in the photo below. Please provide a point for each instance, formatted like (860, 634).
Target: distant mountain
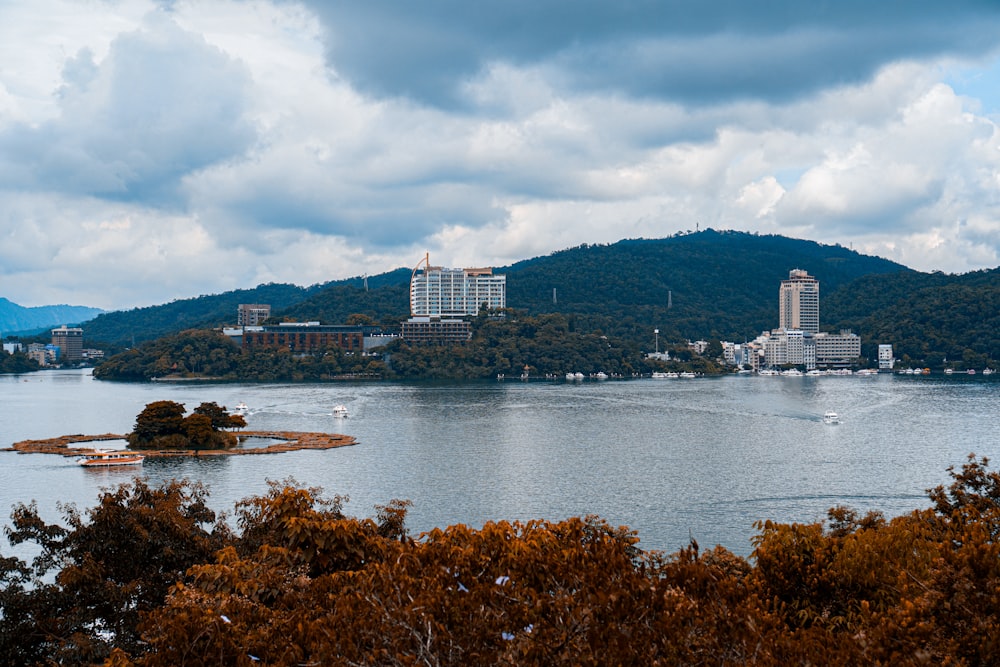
(16, 319)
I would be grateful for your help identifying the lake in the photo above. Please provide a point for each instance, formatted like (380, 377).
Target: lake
(672, 459)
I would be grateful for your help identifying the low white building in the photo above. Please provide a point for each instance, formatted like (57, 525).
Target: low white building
(885, 359)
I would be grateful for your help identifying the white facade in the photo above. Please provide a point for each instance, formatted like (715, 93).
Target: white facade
(798, 302)
(440, 292)
(789, 346)
(885, 359)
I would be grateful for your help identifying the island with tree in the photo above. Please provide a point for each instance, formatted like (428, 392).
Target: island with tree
(162, 429)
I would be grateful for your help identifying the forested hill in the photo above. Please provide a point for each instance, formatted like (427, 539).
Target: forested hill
(125, 327)
(933, 319)
(717, 284)
(708, 285)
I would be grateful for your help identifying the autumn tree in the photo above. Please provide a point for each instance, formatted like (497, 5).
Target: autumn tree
(94, 577)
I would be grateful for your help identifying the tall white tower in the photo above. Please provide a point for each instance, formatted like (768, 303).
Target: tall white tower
(798, 302)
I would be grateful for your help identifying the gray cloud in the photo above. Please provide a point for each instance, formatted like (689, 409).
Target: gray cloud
(689, 52)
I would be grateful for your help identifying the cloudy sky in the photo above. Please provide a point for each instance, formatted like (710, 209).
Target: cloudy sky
(152, 151)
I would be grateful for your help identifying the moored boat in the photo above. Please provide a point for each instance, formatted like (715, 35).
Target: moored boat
(102, 458)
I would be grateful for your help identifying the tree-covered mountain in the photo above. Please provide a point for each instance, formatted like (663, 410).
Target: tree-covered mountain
(932, 319)
(126, 327)
(16, 319)
(708, 285)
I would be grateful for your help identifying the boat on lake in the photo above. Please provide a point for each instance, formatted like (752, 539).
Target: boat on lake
(103, 458)
(339, 410)
(831, 418)
(241, 409)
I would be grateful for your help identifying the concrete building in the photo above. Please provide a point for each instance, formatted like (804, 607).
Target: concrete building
(440, 292)
(837, 350)
(885, 359)
(798, 302)
(252, 314)
(789, 346)
(306, 337)
(70, 344)
(436, 330)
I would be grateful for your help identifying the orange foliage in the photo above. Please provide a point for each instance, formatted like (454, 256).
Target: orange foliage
(301, 583)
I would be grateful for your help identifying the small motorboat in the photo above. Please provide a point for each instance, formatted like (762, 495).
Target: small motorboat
(339, 410)
(241, 409)
(831, 418)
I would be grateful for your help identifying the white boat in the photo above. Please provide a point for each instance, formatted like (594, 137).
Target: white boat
(688, 375)
(831, 418)
(987, 371)
(578, 375)
(339, 410)
(103, 458)
(241, 409)
(601, 375)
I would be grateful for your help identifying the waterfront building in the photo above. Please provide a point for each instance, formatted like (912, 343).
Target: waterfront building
(798, 302)
(441, 292)
(69, 340)
(252, 314)
(885, 359)
(837, 350)
(789, 347)
(45, 355)
(436, 330)
(307, 337)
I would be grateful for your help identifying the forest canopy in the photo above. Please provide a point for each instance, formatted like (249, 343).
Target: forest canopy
(150, 576)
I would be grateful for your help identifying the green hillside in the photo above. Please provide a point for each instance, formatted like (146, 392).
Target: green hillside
(717, 284)
(708, 285)
(126, 327)
(931, 318)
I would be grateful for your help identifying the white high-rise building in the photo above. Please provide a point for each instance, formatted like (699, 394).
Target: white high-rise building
(440, 292)
(798, 302)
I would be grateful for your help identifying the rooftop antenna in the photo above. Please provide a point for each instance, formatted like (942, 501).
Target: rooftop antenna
(366, 282)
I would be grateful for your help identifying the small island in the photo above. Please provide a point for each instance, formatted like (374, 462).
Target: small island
(162, 430)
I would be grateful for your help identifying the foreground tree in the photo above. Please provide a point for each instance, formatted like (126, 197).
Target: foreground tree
(149, 580)
(84, 592)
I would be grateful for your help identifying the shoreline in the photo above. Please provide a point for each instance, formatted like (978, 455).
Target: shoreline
(291, 441)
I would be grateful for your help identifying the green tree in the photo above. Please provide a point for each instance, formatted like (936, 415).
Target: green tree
(157, 420)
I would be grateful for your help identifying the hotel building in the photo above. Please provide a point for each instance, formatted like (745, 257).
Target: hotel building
(440, 292)
(798, 302)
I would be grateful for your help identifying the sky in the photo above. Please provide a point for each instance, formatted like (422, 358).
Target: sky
(153, 151)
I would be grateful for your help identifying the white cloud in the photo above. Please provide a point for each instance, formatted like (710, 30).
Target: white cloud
(159, 152)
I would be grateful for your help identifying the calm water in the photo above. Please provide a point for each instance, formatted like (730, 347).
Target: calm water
(672, 459)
